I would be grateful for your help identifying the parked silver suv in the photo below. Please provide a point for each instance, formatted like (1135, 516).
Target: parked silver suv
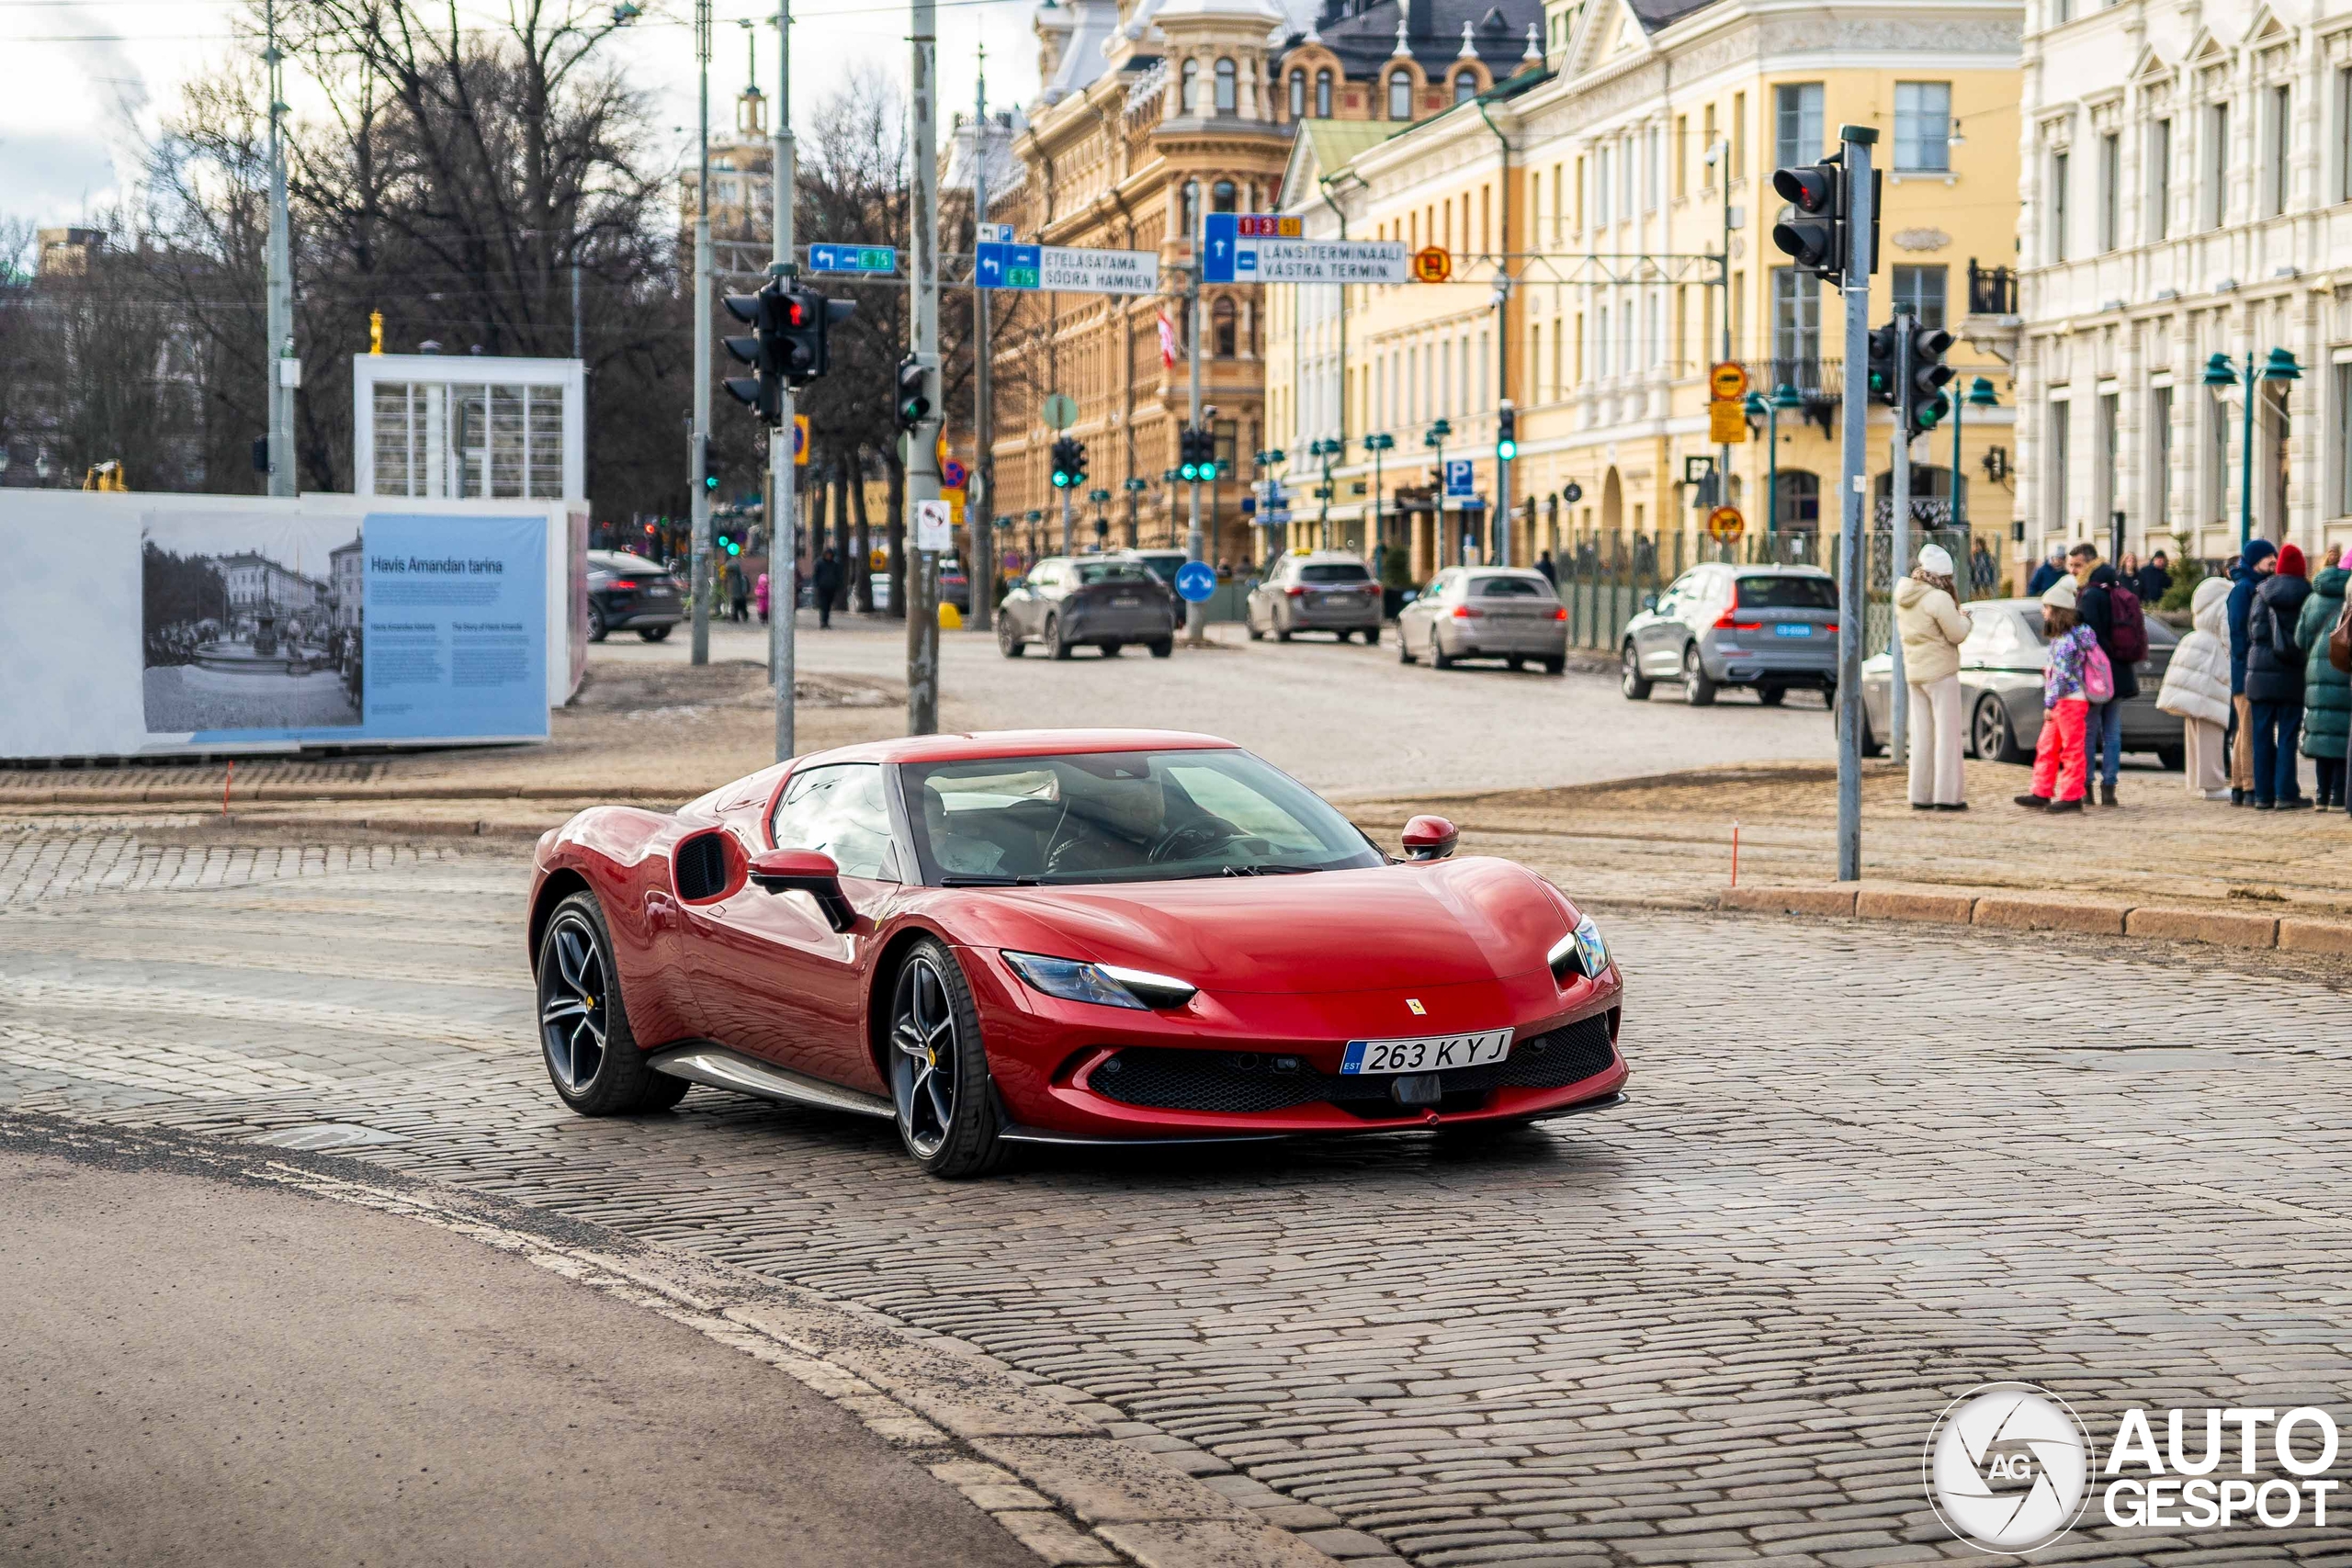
(1486, 612)
(1324, 591)
(1766, 626)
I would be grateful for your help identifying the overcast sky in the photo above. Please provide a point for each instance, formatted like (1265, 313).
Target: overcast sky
(83, 83)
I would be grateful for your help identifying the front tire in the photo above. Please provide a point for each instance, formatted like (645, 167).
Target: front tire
(1008, 641)
(597, 630)
(1630, 679)
(1404, 645)
(939, 1071)
(1995, 737)
(584, 1040)
(653, 634)
(1697, 690)
(1163, 646)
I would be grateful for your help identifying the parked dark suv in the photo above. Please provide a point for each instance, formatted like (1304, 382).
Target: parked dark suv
(630, 593)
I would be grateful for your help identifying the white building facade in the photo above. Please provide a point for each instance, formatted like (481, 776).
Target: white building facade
(2186, 178)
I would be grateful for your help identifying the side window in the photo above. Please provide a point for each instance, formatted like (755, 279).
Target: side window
(841, 811)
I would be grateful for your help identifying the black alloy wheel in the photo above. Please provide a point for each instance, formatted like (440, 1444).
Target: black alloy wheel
(1054, 637)
(592, 1057)
(939, 1075)
(1008, 641)
(597, 630)
(1990, 732)
(1697, 690)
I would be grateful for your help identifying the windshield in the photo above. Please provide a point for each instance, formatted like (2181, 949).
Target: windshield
(1511, 588)
(1093, 571)
(1122, 817)
(1787, 593)
(1337, 572)
(1164, 567)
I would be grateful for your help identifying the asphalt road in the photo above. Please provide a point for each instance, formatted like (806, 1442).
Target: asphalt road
(202, 1369)
(1349, 720)
(1864, 1169)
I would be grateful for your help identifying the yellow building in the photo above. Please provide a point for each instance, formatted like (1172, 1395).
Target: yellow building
(1584, 206)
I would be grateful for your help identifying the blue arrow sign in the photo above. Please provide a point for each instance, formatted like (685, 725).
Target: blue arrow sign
(1220, 231)
(1005, 267)
(1195, 581)
(853, 258)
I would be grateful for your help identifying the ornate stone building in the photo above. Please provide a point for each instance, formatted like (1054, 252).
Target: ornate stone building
(1149, 109)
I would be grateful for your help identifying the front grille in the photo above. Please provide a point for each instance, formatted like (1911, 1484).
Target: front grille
(1161, 1078)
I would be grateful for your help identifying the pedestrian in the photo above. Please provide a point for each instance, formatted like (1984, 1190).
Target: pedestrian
(2127, 566)
(2111, 611)
(2060, 768)
(827, 579)
(739, 594)
(2257, 562)
(1551, 573)
(1982, 573)
(2048, 573)
(2274, 682)
(2196, 687)
(760, 597)
(2155, 581)
(1928, 618)
(2327, 691)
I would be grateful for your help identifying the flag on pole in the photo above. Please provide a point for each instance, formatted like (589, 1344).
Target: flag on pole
(1166, 341)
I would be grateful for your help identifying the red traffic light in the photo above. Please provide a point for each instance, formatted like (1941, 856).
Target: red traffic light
(1809, 190)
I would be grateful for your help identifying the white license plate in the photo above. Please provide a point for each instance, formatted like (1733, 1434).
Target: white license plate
(1429, 1054)
(1125, 604)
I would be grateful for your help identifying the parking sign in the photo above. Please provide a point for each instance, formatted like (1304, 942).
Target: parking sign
(1461, 479)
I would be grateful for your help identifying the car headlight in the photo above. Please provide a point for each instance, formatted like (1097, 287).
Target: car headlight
(1106, 985)
(1581, 951)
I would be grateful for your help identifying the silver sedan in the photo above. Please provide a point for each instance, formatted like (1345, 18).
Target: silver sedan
(1486, 612)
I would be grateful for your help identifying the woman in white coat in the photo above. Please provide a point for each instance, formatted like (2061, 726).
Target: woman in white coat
(2196, 687)
(1928, 618)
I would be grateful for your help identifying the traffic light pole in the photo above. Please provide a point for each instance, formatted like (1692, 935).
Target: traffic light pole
(1898, 497)
(280, 289)
(923, 442)
(783, 500)
(979, 494)
(1854, 462)
(1196, 616)
(699, 463)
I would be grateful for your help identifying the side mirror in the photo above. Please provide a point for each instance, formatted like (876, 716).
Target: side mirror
(1649, 601)
(1429, 838)
(809, 871)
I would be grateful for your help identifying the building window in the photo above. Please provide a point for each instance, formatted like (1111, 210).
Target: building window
(2343, 133)
(2055, 517)
(2277, 137)
(2160, 179)
(1798, 508)
(1601, 342)
(2159, 460)
(1192, 206)
(1739, 136)
(1707, 141)
(1224, 197)
(1323, 95)
(1466, 86)
(2110, 191)
(2057, 207)
(1400, 95)
(1601, 186)
(1189, 88)
(1922, 288)
(1226, 99)
(2111, 452)
(1298, 95)
(1681, 156)
(2344, 439)
(1224, 333)
(1923, 125)
(1796, 327)
(2061, 12)
(2217, 165)
(1653, 170)
(1796, 124)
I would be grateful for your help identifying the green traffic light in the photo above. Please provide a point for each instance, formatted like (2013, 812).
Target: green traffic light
(1506, 450)
(734, 549)
(710, 481)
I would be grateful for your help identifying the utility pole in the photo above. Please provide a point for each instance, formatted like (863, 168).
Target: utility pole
(1196, 616)
(699, 458)
(1853, 462)
(783, 500)
(923, 442)
(285, 371)
(978, 533)
(1898, 495)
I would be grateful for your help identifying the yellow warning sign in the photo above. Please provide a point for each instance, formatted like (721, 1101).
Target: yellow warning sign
(1727, 422)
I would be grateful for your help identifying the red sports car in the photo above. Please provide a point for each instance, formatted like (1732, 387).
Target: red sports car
(1060, 937)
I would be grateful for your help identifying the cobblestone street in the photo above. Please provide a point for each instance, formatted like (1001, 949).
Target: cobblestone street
(1862, 1169)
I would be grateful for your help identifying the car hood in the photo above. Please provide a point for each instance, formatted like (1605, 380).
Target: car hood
(1451, 923)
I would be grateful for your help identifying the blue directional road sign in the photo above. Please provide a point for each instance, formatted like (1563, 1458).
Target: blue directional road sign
(1262, 247)
(853, 258)
(1006, 266)
(1461, 481)
(1195, 581)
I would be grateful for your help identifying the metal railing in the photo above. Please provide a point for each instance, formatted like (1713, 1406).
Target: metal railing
(1992, 290)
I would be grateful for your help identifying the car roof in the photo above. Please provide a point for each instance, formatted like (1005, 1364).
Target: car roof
(981, 745)
(1773, 570)
(1325, 557)
(626, 561)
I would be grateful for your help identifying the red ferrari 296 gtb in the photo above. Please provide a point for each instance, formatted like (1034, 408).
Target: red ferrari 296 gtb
(1060, 937)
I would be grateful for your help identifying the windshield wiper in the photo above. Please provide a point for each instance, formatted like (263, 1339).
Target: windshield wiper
(977, 880)
(1267, 868)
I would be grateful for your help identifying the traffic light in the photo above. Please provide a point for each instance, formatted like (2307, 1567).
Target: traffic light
(1815, 233)
(914, 406)
(710, 483)
(1507, 432)
(1881, 382)
(1069, 462)
(1928, 373)
(761, 391)
(1195, 454)
(807, 333)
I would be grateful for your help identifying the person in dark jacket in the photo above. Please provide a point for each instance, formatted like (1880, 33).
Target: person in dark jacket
(826, 580)
(2048, 573)
(2327, 691)
(2260, 560)
(2103, 737)
(2155, 581)
(1551, 573)
(2274, 682)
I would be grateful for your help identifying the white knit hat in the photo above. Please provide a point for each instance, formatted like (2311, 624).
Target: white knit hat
(2060, 596)
(1935, 558)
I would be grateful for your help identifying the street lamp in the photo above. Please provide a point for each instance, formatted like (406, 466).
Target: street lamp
(1265, 460)
(1135, 485)
(2221, 375)
(1980, 394)
(1325, 450)
(1376, 444)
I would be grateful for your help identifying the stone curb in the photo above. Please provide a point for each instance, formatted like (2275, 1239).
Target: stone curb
(2029, 912)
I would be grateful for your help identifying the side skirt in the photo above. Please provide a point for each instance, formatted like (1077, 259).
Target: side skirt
(718, 1067)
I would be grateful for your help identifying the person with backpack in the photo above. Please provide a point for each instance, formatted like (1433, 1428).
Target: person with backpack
(2247, 574)
(2327, 691)
(2111, 611)
(2076, 671)
(2274, 682)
